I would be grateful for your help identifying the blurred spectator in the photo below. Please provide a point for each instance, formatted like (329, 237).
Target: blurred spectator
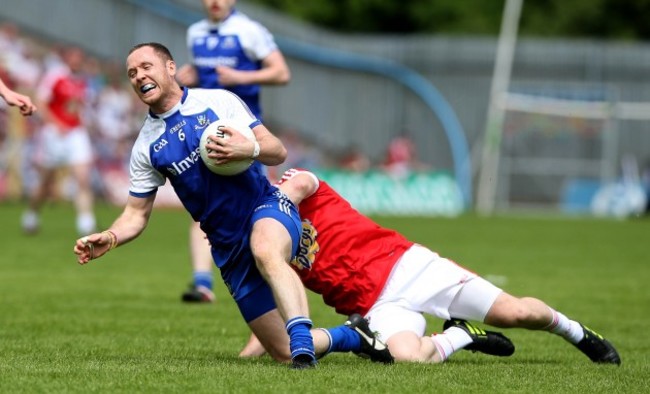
(300, 153)
(353, 159)
(113, 120)
(26, 107)
(20, 71)
(114, 130)
(95, 79)
(63, 141)
(16, 55)
(401, 157)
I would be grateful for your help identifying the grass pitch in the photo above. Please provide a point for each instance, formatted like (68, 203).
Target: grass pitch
(117, 325)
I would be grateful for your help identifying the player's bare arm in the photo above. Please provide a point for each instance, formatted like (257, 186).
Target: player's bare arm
(272, 151)
(274, 71)
(300, 186)
(128, 226)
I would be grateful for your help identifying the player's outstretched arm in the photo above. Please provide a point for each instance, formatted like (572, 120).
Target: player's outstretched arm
(128, 226)
(15, 99)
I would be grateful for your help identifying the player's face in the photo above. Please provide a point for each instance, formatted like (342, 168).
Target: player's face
(218, 10)
(74, 58)
(152, 79)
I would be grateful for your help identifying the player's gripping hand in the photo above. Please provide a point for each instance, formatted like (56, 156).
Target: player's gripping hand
(94, 246)
(234, 146)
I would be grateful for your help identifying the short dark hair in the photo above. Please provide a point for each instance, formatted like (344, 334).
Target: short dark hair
(159, 48)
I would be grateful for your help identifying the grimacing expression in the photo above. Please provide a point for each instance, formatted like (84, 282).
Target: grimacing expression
(151, 77)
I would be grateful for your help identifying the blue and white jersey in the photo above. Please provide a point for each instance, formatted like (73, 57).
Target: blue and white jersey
(168, 148)
(237, 42)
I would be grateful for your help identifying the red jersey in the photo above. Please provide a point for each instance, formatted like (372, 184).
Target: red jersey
(65, 95)
(343, 255)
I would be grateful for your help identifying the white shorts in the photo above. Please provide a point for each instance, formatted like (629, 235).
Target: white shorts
(423, 282)
(56, 149)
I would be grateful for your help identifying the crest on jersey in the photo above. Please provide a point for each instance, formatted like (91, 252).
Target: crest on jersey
(212, 42)
(229, 42)
(202, 122)
(308, 247)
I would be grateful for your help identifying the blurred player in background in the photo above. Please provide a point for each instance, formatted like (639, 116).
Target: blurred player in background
(360, 267)
(228, 51)
(63, 141)
(16, 99)
(252, 240)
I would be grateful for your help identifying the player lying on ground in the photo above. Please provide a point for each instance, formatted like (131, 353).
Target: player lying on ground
(360, 267)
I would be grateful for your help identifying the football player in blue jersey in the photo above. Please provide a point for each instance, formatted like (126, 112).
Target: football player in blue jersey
(254, 229)
(227, 50)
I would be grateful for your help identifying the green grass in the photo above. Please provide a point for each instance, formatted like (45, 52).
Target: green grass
(117, 325)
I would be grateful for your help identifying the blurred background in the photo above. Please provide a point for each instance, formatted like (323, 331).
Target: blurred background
(423, 107)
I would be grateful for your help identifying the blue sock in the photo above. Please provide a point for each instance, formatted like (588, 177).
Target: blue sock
(343, 339)
(203, 278)
(300, 340)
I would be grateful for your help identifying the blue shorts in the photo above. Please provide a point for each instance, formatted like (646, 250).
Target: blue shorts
(245, 283)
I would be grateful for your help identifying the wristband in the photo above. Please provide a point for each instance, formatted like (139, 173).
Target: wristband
(113, 239)
(256, 149)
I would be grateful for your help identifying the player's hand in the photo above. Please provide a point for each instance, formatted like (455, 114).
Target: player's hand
(233, 147)
(230, 77)
(187, 75)
(21, 101)
(91, 247)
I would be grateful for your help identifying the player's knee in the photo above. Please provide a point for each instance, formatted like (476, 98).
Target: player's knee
(279, 354)
(408, 347)
(403, 352)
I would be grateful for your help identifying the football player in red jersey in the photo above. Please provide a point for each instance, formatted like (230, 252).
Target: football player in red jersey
(362, 268)
(63, 141)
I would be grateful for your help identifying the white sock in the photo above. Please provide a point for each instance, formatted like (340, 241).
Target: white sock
(450, 341)
(86, 223)
(568, 329)
(30, 220)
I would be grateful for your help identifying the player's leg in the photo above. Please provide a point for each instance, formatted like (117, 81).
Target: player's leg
(45, 157)
(266, 323)
(258, 309)
(354, 336)
(344, 338)
(254, 347)
(202, 265)
(80, 159)
(532, 313)
(274, 240)
(423, 282)
(269, 336)
(84, 198)
(30, 220)
(403, 331)
(409, 346)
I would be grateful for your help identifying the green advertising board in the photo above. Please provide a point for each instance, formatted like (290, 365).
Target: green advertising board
(415, 194)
